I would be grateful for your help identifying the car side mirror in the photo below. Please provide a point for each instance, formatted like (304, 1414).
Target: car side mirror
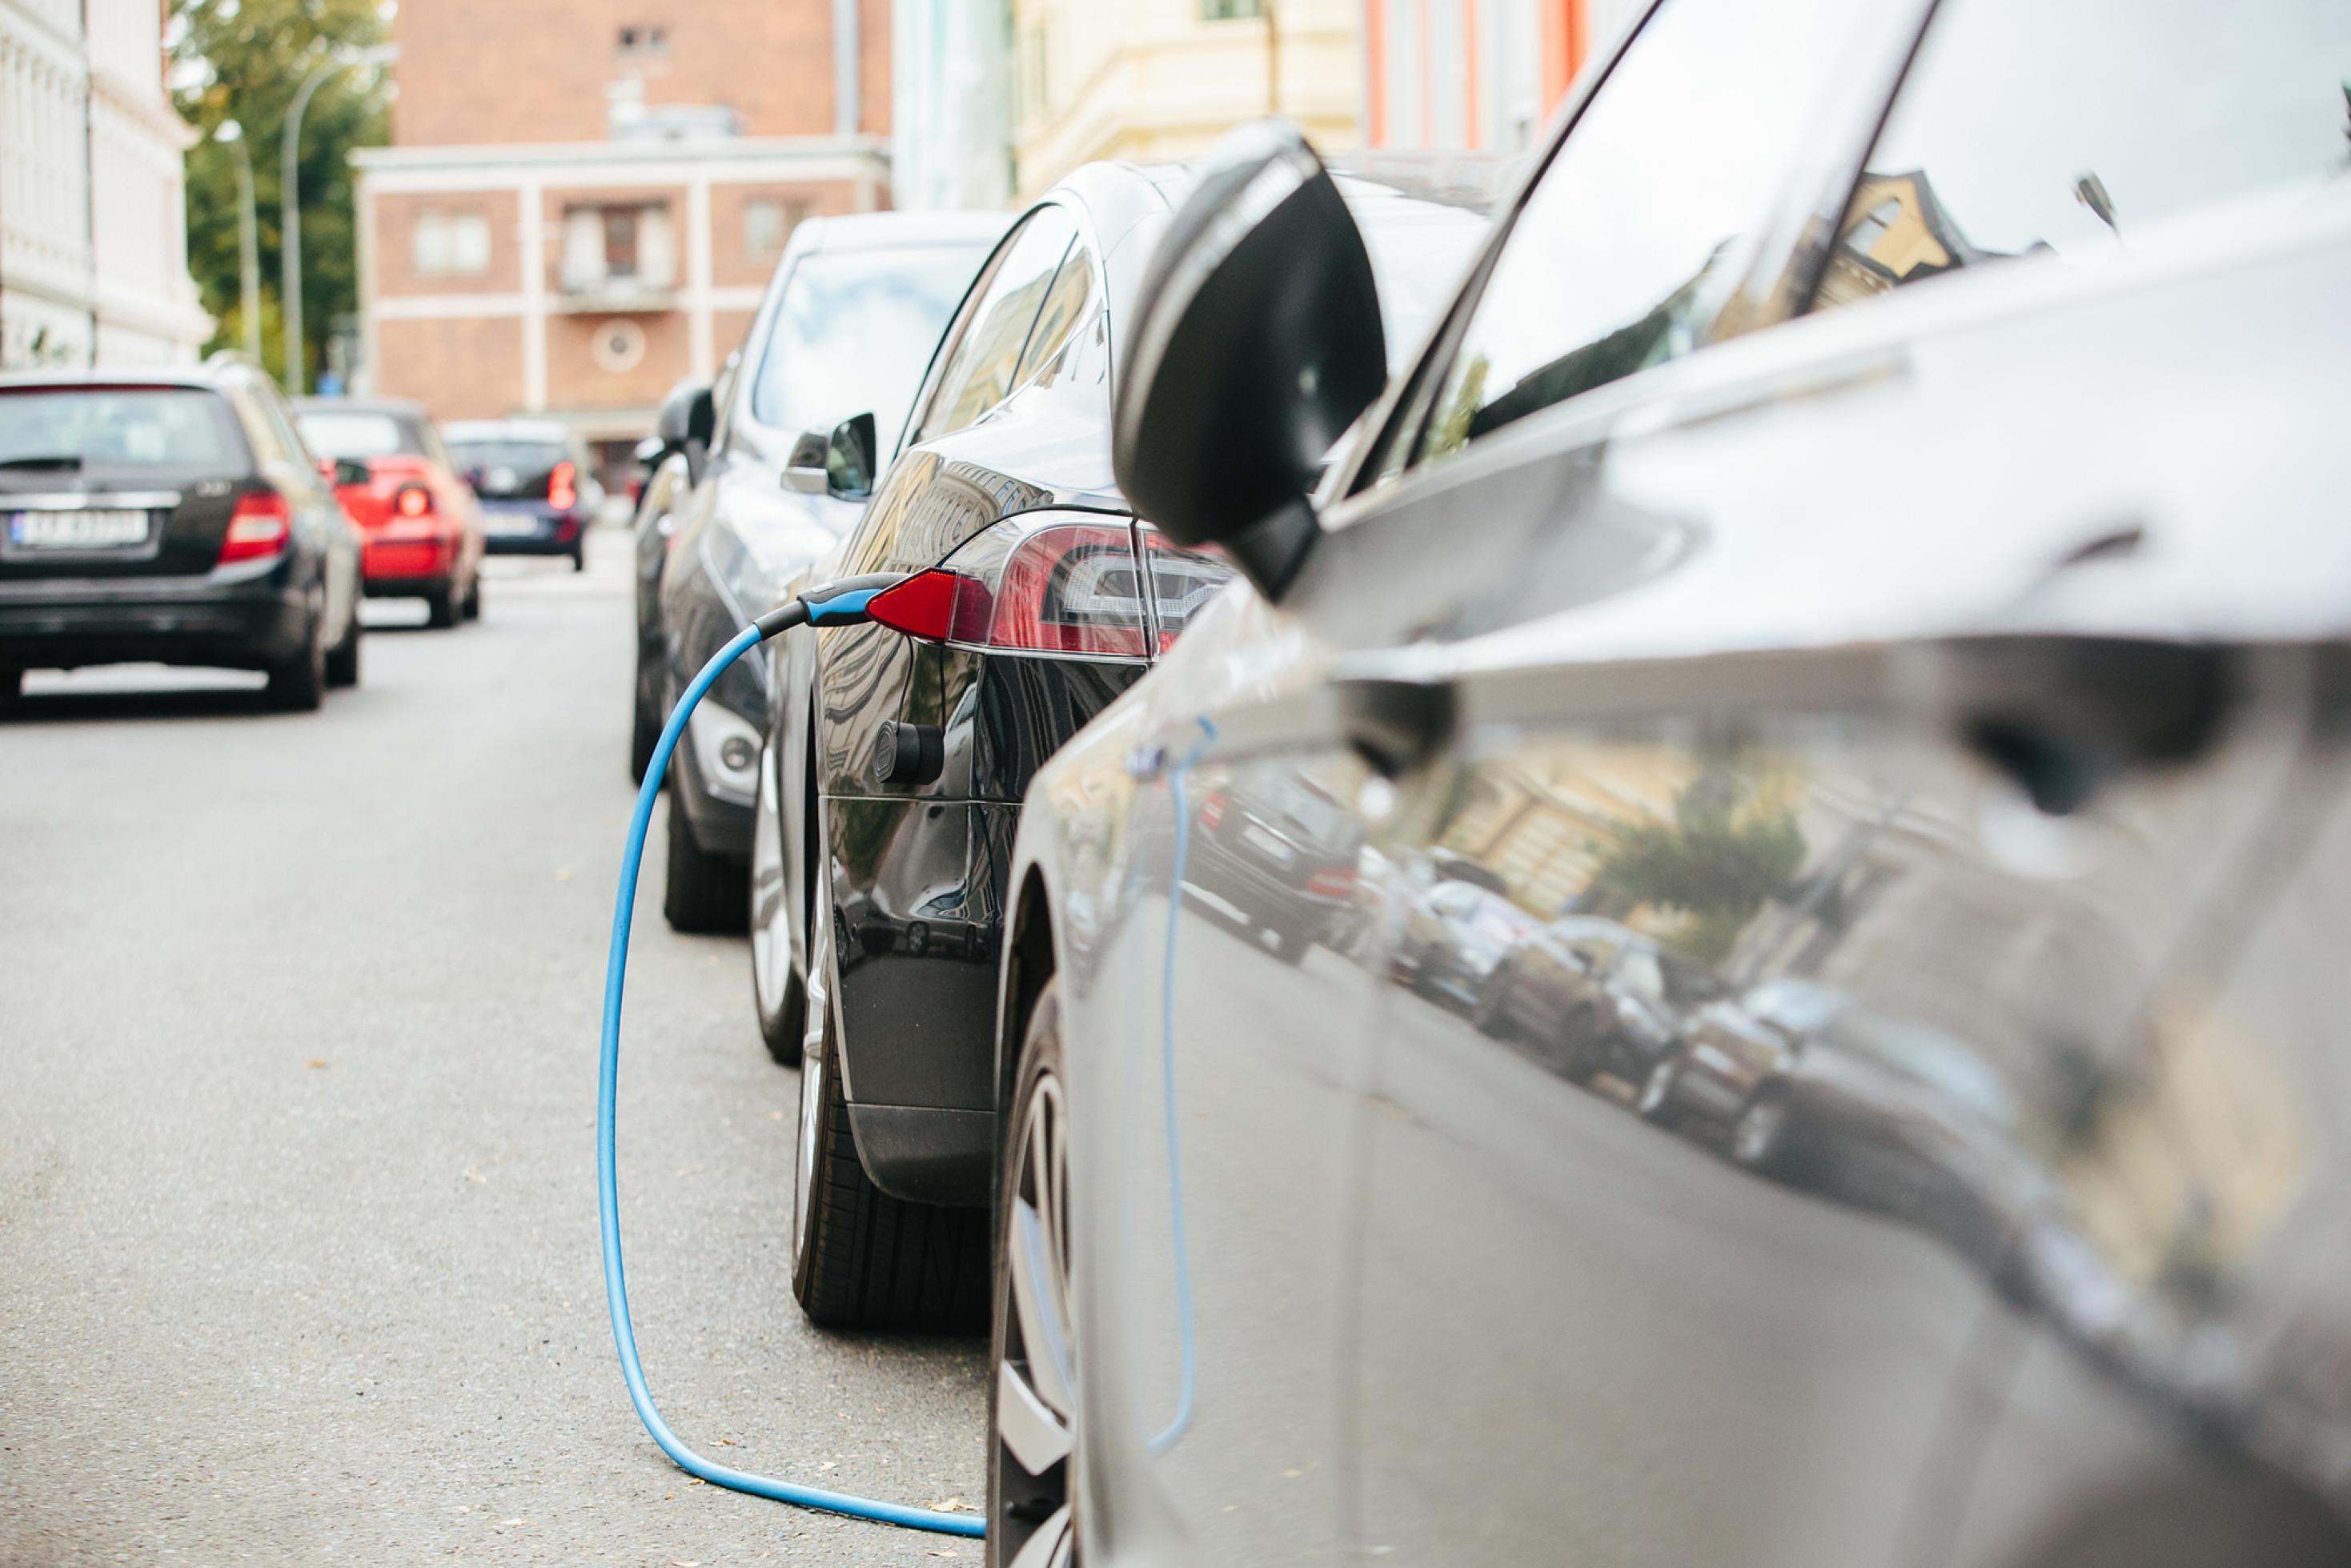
(848, 459)
(687, 416)
(346, 471)
(805, 470)
(1257, 343)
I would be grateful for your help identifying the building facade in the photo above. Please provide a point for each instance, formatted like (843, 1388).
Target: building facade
(1150, 79)
(93, 214)
(569, 236)
(951, 100)
(1484, 75)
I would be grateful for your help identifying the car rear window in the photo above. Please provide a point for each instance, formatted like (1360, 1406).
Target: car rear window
(116, 430)
(360, 434)
(504, 466)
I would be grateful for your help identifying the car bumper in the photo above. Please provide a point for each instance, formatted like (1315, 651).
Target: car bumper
(722, 826)
(241, 625)
(524, 530)
(918, 990)
(408, 566)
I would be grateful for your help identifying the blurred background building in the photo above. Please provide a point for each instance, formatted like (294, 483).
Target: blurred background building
(93, 243)
(1479, 74)
(583, 198)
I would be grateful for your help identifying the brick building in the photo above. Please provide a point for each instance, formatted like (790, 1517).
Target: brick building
(583, 198)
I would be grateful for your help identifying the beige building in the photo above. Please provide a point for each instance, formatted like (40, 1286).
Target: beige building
(1149, 79)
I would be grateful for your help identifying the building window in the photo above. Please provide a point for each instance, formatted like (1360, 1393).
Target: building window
(1231, 10)
(645, 43)
(445, 244)
(767, 225)
(627, 244)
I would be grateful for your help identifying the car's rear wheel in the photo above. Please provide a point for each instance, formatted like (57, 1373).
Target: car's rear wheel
(298, 684)
(12, 683)
(441, 606)
(1032, 1396)
(862, 1258)
(777, 994)
(1656, 1100)
(471, 606)
(580, 559)
(1759, 1138)
(702, 894)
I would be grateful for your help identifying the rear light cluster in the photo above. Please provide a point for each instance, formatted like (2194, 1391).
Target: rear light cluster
(1065, 588)
(1212, 808)
(261, 527)
(1338, 882)
(413, 501)
(563, 487)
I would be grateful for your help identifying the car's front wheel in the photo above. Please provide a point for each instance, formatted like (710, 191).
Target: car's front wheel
(861, 1257)
(1032, 1397)
(776, 995)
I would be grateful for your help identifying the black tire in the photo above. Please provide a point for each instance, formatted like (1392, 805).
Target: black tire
(580, 559)
(343, 658)
(440, 607)
(470, 607)
(298, 684)
(12, 684)
(702, 894)
(644, 734)
(782, 1025)
(1032, 1495)
(862, 1258)
(1289, 946)
(1489, 1017)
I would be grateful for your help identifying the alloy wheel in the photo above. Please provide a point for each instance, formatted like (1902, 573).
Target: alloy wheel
(771, 952)
(1657, 1090)
(1755, 1139)
(815, 1061)
(1036, 1378)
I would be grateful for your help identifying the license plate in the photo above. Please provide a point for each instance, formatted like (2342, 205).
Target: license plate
(78, 529)
(511, 526)
(1272, 847)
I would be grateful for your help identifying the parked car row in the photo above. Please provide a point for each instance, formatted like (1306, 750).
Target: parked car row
(196, 517)
(1440, 729)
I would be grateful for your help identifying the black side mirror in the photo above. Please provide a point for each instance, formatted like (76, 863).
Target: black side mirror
(848, 459)
(687, 416)
(350, 471)
(1258, 341)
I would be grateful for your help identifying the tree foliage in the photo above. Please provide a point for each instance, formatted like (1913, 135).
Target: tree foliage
(244, 60)
(1717, 861)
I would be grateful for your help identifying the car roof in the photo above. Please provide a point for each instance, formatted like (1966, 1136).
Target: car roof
(399, 407)
(207, 378)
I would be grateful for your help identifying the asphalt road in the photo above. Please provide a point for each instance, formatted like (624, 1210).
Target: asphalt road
(298, 1216)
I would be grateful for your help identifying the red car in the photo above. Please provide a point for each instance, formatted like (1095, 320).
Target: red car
(422, 522)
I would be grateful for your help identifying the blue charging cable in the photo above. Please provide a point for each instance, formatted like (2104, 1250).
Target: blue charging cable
(839, 603)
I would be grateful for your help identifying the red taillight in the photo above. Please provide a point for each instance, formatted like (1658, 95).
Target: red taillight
(563, 487)
(261, 527)
(1336, 883)
(414, 501)
(1067, 588)
(1212, 808)
(1183, 581)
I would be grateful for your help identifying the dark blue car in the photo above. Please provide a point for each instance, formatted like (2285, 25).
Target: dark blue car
(537, 482)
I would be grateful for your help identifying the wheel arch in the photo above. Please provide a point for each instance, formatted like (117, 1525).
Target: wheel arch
(1031, 957)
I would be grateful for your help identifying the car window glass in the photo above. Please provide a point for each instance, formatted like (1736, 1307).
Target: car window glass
(2025, 128)
(980, 370)
(1622, 251)
(357, 434)
(852, 333)
(112, 429)
(1064, 308)
(281, 424)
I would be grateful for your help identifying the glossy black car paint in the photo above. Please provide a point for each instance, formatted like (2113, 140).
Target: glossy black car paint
(172, 603)
(1977, 654)
(902, 863)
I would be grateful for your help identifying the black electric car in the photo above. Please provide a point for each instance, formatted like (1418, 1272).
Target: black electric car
(850, 318)
(898, 752)
(1873, 518)
(172, 516)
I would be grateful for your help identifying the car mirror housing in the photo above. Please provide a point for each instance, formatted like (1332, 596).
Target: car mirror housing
(1257, 343)
(687, 416)
(805, 470)
(848, 459)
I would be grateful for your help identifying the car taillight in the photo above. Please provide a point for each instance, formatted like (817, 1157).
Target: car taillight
(563, 487)
(1212, 808)
(1067, 588)
(413, 501)
(1335, 882)
(262, 526)
(1182, 582)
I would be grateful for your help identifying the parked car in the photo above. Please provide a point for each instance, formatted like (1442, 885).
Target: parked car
(421, 524)
(1588, 996)
(171, 514)
(897, 752)
(537, 484)
(1453, 937)
(1885, 449)
(850, 318)
(1276, 854)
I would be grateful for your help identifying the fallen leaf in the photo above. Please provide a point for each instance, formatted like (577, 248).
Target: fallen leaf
(1291, 1475)
(317, 1061)
(775, 1116)
(563, 873)
(726, 1443)
(946, 1552)
(505, 1523)
(949, 1506)
(826, 1466)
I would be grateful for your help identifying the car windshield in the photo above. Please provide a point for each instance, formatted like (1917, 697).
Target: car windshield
(115, 429)
(359, 434)
(854, 334)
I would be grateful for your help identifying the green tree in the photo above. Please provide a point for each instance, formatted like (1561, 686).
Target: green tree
(244, 60)
(1717, 860)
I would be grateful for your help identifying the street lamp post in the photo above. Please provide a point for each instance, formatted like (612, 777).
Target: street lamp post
(290, 197)
(249, 239)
